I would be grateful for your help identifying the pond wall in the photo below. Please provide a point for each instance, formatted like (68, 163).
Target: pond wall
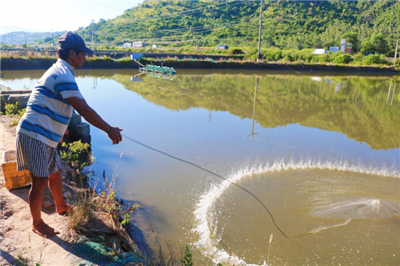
(10, 63)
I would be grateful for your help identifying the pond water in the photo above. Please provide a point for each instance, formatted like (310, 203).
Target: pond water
(319, 152)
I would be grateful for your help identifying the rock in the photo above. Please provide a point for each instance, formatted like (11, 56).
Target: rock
(83, 129)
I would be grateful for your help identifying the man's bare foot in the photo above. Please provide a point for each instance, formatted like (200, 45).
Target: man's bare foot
(66, 209)
(63, 209)
(44, 230)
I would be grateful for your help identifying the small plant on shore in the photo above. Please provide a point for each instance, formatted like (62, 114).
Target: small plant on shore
(23, 261)
(77, 155)
(90, 203)
(163, 255)
(397, 65)
(125, 220)
(186, 260)
(13, 110)
(80, 214)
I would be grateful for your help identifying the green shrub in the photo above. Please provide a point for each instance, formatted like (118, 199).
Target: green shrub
(397, 65)
(126, 61)
(325, 58)
(304, 55)
(236, 51)
(251, 53)
(287, 58)
(371, 59)
(315, 59)
(342, 59)
(78, 154)
(11, 109)
(358, 58)
(272, 54)
(382, 60)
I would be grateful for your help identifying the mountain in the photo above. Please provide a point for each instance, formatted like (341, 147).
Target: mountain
(7, 29)
(286, 24)
(21, 37)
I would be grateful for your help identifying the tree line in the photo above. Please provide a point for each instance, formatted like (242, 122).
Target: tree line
(368, 25)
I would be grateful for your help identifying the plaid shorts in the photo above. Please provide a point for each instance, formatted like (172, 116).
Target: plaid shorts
(37, 157)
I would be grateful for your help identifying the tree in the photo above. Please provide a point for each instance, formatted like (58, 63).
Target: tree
(352, 38)
(379, 42)
(367, 46)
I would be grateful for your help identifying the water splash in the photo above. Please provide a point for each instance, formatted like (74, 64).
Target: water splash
(369, 209)
(208, 245)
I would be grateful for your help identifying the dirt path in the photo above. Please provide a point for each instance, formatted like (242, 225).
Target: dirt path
(16, 237)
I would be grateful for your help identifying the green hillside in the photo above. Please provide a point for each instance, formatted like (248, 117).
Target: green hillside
(286, 24)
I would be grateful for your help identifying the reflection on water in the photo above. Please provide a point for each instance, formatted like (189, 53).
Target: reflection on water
(388, 96)
(358, 109)
(256, 128)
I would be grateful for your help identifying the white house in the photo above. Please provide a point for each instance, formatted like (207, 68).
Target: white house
(139, 44)
(320, 51)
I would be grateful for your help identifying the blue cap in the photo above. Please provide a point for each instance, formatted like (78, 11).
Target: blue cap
(73, 40)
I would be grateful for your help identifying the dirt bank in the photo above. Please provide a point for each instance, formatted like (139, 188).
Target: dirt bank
(16, 237)
(18, 244)
(10, 63)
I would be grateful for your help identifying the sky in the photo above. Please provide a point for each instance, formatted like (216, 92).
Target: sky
(57, 15)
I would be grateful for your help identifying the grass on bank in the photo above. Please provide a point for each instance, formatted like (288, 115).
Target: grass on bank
(91, 202)
(238, 53)
(13, 110)
(24, 261)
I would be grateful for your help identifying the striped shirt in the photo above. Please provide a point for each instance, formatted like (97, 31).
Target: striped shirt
(48, 112)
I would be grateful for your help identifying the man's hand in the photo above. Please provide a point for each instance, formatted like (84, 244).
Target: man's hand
(93, 118)
(115, 135)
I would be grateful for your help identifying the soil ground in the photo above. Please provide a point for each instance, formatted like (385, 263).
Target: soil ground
(17, 240)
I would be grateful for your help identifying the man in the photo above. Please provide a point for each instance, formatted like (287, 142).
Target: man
(43, 125)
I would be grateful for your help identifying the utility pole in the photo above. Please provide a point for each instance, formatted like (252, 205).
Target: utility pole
(25, 40)
(92, 34)
(52, 39)
(259, 34)
(197, 45)
(395, 51)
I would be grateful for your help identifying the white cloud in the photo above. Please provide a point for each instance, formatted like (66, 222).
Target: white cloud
(58, 14)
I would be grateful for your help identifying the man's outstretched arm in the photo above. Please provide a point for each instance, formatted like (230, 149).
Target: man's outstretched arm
(94, 119)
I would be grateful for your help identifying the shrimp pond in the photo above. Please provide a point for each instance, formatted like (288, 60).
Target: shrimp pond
(303, 167)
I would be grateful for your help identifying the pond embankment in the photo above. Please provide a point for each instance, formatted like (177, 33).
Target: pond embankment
(192, 62)
(88, 236)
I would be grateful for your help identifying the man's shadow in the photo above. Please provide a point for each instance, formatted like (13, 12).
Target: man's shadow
(8, 257)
